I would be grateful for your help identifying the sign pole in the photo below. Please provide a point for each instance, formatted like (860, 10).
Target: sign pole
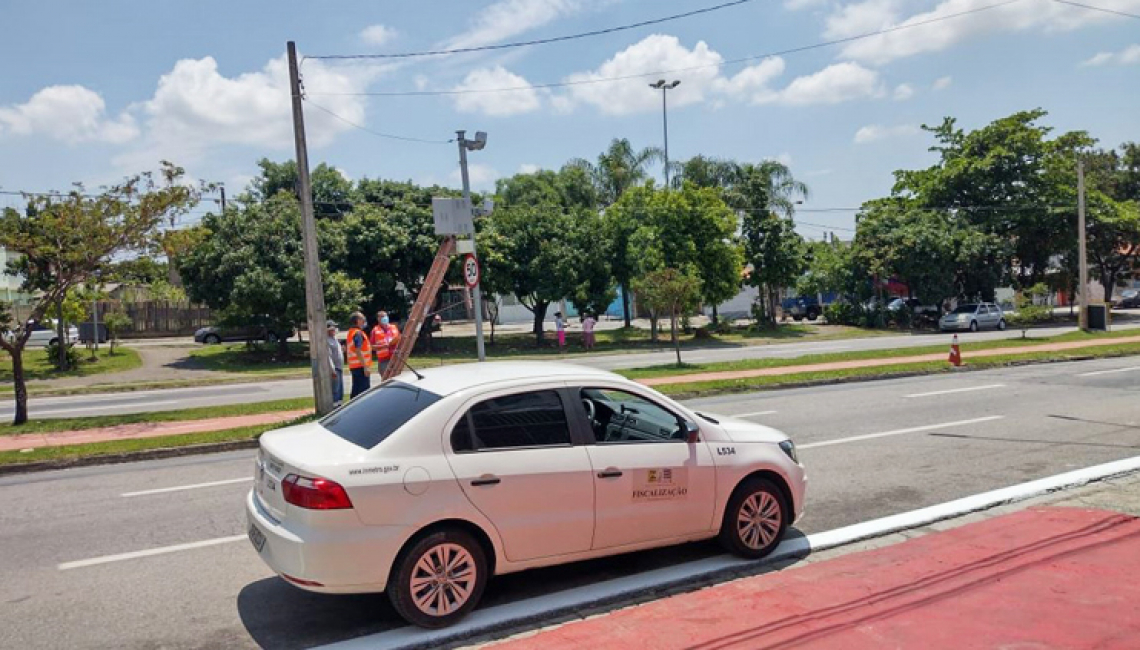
(476, 292)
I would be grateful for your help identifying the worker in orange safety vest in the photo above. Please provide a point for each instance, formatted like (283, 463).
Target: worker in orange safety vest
(385, 337)
(359, 350)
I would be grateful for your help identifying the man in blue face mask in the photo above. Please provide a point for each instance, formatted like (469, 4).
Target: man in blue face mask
(385, 337)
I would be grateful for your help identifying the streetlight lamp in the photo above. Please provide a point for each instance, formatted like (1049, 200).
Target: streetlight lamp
(665, 88)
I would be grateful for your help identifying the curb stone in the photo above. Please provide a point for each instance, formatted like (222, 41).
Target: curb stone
(127, 457)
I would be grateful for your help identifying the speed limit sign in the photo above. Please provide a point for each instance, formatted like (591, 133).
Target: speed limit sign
(471, 271)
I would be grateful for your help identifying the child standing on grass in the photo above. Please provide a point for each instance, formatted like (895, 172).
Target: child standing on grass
(588, 324)
(560, 325)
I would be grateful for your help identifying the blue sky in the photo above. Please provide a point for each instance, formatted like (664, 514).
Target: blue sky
(95, 91)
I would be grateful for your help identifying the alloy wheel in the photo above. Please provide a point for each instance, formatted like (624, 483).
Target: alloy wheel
(443, 579)
(759, 519)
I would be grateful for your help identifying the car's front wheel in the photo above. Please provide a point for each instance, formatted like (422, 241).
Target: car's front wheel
(1001, 325)
(755, 519)
(439, 579)
(973, 326)
(212, 339)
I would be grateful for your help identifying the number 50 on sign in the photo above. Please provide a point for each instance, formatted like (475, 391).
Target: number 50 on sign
(471, 271)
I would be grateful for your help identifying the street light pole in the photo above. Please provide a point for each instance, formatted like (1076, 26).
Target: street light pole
(476, 291)
(665, 88)
(1082, 247)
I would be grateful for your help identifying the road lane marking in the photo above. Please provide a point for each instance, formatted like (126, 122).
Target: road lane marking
(51, 411)
(179, 488)
(1108, 372)
(956, 390)
(751, 415)
(161, 550)
(899, 432)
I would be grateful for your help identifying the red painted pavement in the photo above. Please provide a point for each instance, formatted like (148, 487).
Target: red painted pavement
(1037, 579)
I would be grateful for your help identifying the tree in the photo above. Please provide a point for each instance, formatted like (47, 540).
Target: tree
(1113, 240)
(775, 253)
(332, 192)
(1032, 309)
(64, 241)
(250, 267)
(767, 186)
(116, 323)
(670, 291)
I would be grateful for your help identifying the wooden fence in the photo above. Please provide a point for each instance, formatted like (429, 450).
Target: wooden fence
(149, 319)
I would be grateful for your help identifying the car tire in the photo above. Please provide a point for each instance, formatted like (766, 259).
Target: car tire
(813, 316)
(416, 562)
(763, 505)
(54, 342)
(1001, 325)
(973, 326)
(212, 339)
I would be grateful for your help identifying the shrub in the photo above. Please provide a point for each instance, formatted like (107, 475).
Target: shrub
(73, 356)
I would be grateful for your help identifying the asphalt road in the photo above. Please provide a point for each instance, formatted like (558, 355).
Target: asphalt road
(892, 446)
(267, 390)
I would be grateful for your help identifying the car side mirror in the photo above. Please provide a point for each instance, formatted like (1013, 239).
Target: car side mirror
(692, 432)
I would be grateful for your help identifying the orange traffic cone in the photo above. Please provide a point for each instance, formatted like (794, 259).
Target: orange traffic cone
(955, 353)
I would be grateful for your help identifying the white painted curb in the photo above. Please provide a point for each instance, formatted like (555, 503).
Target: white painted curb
(564, 602)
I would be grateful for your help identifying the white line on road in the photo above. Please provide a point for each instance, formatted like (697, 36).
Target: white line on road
(899, 432)
(162, 550)
(956, 390)
(751, 415)
(84, 409)
(1108, 372)
(179, 488)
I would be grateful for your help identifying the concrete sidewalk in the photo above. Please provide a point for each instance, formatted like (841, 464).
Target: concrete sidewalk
(886, 361)
(1060, 571)
(143, 430)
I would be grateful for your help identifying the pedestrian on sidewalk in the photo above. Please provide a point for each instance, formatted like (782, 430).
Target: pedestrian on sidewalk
(359, 354)
(560, 325)
(588, 324)
(385, 338)
(336, 364)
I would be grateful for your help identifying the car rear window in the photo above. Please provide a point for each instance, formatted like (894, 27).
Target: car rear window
(370, 418)
(966, 309)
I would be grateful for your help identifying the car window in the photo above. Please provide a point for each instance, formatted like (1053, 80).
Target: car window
(966, 309)
(618, 416)
(983, 310)
(534, 419)
(370, 418)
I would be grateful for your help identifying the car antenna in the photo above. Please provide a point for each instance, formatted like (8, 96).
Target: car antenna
(414, 371)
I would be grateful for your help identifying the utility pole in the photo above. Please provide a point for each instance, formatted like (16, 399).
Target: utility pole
(1082, 247)
(476, 292)
(223, 190)
(665, 88)
(314, 290)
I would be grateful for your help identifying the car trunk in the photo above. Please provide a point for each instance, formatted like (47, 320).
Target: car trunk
(306, 450)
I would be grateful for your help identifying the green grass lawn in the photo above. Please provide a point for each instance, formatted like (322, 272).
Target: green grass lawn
(257, 360)
(37, 366)
(669, 370)
(100, 421)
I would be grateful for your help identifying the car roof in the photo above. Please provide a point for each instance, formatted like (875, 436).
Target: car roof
(449, 379)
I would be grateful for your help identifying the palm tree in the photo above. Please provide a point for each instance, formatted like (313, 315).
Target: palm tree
(768, 185)
(619, 168)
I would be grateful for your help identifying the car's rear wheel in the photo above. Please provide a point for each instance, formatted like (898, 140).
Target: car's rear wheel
(973, 326)
(813, 315)
(439, 579)
(755, 519)
(212, 339)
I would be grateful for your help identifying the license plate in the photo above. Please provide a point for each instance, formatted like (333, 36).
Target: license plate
(256, 537)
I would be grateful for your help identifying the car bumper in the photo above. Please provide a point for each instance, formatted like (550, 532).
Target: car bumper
(345, 558)
(953, 325)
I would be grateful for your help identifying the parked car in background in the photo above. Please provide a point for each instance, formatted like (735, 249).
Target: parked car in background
(215, 334)
(45, 333)
(973, 317)
(1130, 299)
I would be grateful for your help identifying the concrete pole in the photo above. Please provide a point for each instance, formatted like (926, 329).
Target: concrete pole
(665, 123)
(1082, 247)
(476, 292)
(314, 289)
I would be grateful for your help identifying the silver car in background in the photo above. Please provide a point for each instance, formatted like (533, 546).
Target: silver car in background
(973, 317)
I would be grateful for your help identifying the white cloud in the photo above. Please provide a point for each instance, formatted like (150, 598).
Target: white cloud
(876, 132)
(942, 83)
(1128, 56)
(935, 37)
(655, 52)
(70, 114)
(482, 177)
(507, 18)
(377, 34)
(903, 92)
(498, 104)
(754, 79)
(195, 109)
(796, 5)
(834, 84)
(784, 159)
(528, 168)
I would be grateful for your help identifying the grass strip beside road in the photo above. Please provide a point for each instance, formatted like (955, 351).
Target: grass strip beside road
(672, 370)
(801, 379)
(37, 365)
(180, 415)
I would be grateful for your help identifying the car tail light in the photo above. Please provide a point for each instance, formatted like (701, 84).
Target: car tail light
(314, 493)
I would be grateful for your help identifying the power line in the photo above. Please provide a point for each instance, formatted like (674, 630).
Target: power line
(1095, 8)
(581, 82)
(376, 133)
(540, 41)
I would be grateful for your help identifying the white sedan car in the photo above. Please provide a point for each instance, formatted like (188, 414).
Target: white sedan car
(429, 484)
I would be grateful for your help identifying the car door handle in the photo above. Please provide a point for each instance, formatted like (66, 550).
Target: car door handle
(486, 480)
(610, 473)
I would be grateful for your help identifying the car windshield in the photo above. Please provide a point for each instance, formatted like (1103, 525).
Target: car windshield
(367, 420)
(1130, 293)
(966, 309)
